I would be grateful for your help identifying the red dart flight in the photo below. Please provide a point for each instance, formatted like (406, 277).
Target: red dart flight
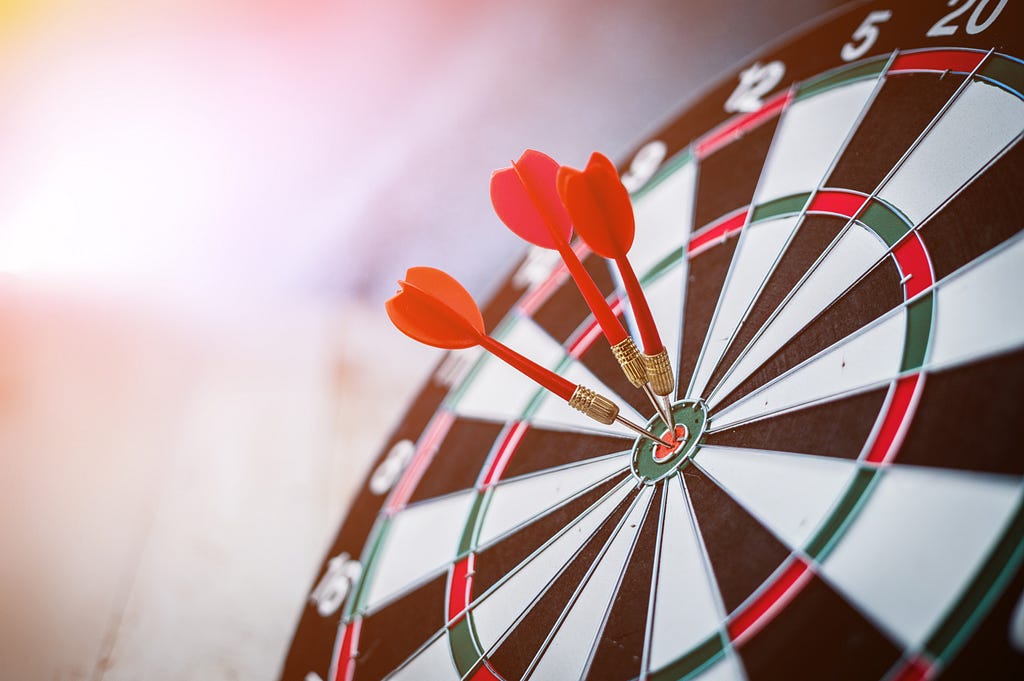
(525, 197)
(434, 308)
(600, 209)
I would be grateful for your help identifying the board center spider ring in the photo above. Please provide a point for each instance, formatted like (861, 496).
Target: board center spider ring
(652, 462)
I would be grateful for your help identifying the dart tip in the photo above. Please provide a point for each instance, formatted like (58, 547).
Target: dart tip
(664, 443)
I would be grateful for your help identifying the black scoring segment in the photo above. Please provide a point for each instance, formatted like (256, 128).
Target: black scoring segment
(541, 449)
(839, 428)
(388, 636)
(902, 109)
(743, 553)
(877, 293)
(459, 458)
(989, 653)
(947, 430)
(704, 283)
(565, 310)
(973, 223)
(727, 178)
(501, 303)
(841, 645)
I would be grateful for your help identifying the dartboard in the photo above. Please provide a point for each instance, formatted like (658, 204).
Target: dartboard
(830, 241)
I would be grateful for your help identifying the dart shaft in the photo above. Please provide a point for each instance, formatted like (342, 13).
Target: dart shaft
(649, 335)
(643, 433)
(606, 319)
(610, 324)
(545, 377)
(664, 410)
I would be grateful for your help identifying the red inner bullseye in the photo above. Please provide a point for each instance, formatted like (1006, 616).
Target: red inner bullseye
(678, 439)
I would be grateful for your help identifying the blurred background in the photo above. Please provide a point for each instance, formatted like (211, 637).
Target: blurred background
(203, 205)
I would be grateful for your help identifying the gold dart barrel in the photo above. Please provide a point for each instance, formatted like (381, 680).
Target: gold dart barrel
(631, 361)
(659, 373)
(597, 407)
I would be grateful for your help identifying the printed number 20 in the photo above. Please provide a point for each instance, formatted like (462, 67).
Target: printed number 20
(974, 25)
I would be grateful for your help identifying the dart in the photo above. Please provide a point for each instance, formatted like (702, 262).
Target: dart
(433, 308)
(525, 197)
(598, 205)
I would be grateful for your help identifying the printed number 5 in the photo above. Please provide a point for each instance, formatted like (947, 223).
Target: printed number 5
(866, 33)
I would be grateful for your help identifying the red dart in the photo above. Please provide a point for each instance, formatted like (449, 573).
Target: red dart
(525, 197)
(434, 308)
(600, 209)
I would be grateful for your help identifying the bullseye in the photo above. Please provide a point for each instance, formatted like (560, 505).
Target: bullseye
(678, 439)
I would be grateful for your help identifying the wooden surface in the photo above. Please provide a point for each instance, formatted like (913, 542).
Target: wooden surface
(181, 486)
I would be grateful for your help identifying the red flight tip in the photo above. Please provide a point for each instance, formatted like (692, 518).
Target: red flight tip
(599, 206)
(602, 213)
(525, 198)
(433, 308)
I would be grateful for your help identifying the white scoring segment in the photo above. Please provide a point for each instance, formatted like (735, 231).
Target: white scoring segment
(566, 656)
(498, 611)
(810, 135)
(728, 668)
(686, 604)
(664, 218)
(789, 493)
(922, 535)
(759, 246)
(978, 308)
(856, 251)
(420, 540)
(433, 662)
(516, 501)
(859, 361)
(497, 391)
(979, 123)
